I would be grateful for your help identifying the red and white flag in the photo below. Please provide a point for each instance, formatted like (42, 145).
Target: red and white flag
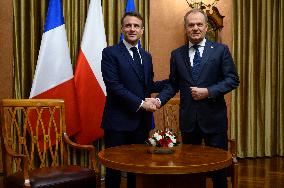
(53, 77)
(90, 88)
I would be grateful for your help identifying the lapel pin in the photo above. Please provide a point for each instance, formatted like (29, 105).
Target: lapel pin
(212, 47)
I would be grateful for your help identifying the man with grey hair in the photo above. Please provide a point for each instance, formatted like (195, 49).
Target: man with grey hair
(203, 71)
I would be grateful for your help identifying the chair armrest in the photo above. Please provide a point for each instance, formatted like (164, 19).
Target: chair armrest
(24, 159)
(92, 150)
(75, 145)
(12, 153)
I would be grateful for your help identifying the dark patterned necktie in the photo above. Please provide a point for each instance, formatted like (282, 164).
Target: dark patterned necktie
(196, 63)
(137, 61)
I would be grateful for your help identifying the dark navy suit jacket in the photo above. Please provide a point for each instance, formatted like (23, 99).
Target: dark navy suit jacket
(218, 74)
(126, 88)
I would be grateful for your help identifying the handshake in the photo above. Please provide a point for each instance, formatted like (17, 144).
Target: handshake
(151, 104)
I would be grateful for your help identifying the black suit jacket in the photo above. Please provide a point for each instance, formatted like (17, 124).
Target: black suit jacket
(218, 74)
(126, 88)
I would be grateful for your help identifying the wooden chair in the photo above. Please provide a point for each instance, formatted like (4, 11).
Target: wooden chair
(232, 170)
(36, 150)
(171, 116)
(171, 121)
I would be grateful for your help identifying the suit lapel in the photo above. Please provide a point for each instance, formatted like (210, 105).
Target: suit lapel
(125, 52)
(208, 50)
(145, 64)
(185, 57)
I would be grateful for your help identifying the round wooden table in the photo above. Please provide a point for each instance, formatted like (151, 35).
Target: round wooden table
(186, 167)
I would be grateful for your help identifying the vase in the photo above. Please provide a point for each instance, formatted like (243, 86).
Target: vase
(161, 150)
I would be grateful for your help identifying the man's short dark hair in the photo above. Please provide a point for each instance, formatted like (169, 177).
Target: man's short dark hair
(195, 11)
(133, 13)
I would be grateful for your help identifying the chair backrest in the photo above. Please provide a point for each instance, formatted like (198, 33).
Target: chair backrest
(33, 127)
(171, 120)
(171, 115)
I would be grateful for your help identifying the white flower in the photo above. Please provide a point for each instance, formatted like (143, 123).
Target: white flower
(156, 134)
(159, 137)
(171, 145)
(163, 139)
(152, 141)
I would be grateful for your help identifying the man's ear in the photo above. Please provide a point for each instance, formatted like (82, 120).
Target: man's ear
(206, 27)
(142, 30)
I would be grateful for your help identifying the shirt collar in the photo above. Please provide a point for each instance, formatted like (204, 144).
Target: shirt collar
(128, 46)
(202, 43)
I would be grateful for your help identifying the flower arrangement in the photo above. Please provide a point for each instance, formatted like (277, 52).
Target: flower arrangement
(163, 138)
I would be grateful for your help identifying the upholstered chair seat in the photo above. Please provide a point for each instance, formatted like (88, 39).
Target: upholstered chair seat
(57, 177)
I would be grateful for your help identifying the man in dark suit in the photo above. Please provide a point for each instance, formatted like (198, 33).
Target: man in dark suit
(203, 72)
(128, 75)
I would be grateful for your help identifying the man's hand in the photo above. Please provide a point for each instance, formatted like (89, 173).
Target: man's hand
(199, 93)
(154, 101)
(149, 106)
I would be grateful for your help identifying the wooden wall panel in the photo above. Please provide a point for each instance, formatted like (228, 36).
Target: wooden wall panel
(6, 48)
(6, 52)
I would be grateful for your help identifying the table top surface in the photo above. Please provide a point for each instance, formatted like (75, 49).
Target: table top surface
(186, 159)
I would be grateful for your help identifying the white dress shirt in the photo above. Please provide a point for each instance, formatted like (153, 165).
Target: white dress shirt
(192, 50)
(128, 46)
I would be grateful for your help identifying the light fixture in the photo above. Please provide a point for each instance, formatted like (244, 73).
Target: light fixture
(202, 4)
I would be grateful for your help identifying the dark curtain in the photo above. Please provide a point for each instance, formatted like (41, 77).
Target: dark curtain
(257, 113)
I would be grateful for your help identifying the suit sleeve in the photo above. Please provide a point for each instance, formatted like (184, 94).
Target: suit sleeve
(158, 86)
(171, 86)
(230, 78)
(114, 85)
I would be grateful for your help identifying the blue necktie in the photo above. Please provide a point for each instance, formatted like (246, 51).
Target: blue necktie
(196, 63)
(137, 61)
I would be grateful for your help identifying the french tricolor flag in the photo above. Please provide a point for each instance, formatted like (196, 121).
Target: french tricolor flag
(90, 88)
(54, 75)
